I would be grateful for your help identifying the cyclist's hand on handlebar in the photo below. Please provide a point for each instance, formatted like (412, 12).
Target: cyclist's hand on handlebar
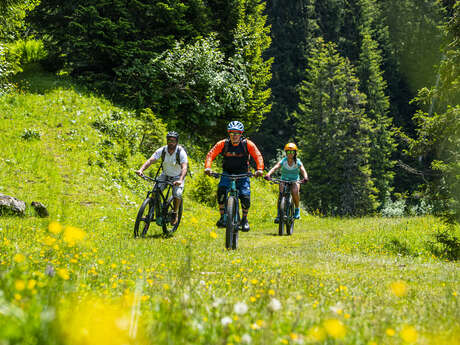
(305, 180)
(139, 173)
(259, 173)
(208, 171)
(177, 183)
(267, 177)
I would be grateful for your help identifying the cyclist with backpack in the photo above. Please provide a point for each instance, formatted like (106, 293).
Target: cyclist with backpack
(291, 167)
(174, 162)
(235, 151)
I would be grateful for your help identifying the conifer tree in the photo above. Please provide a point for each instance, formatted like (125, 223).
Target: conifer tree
(438, 128)
(333, 133)
(293, 29)
(374, 87)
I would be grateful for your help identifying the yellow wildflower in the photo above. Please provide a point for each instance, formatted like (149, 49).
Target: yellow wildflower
(19, 258)
(335, 328)
(73, 235)
(31, 284)
(390, 332)
(316, 334)
(399, 288)
(213, 234)
(63, 273)
(48, 241)
(55, 228)
(19, 285)
(409, 334)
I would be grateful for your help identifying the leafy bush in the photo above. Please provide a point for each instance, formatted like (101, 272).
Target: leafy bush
(203, 189)
(446, 244)
(153, 132)
(5, 71)
(31, 134)
(28, 51)
(121, 127)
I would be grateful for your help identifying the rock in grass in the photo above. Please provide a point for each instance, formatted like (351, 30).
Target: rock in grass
(40, 209)
(11, 205)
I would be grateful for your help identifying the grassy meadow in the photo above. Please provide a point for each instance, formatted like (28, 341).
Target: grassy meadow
(79, 276)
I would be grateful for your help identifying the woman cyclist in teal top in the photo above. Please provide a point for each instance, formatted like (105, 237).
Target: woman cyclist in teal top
(291, 168)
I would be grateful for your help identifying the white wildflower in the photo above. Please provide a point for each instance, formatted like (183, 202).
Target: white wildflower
(246, 339)
(226, 321)
(274, 305)
(217, 302)
(240, 308)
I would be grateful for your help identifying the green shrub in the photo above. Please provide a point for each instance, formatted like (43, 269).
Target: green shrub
(203, 189)
(446, 244)
(153, 132)
(28, 51)
(5, 71)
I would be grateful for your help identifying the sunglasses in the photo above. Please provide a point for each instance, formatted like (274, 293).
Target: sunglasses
(234, 133)
(290, 152)
(171, 140)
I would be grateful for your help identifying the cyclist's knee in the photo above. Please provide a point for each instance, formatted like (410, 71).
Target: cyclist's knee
(177, 192)
(245, 201)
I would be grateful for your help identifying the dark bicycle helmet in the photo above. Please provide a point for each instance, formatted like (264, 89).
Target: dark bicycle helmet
(172, 134)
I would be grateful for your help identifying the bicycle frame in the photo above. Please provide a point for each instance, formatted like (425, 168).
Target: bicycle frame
(156, 191)
(231, 236)
(285, 207)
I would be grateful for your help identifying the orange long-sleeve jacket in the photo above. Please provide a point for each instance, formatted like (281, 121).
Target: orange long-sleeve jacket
(236, 159)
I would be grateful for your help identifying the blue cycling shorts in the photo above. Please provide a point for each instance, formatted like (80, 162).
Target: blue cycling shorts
(243, 184)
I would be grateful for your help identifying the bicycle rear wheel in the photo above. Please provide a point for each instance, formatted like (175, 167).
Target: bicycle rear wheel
(230, 227)
(290, 218)
(168, 216)
(144, 217)
(282, 216)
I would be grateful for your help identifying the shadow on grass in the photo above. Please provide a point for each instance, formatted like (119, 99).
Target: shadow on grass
(34, 79)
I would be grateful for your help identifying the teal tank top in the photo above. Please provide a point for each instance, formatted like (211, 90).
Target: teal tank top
(290, 173)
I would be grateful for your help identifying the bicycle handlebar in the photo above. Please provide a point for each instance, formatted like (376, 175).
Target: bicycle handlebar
(236, 176)
(278, 181)
(147, 178)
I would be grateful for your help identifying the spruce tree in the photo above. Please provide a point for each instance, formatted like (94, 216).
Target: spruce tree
(334, 135)
(374, 87)
(293, 29)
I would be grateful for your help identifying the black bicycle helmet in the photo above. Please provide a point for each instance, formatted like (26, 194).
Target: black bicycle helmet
(172, 134)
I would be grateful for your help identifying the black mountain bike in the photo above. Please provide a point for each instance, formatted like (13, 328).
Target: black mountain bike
(232, 210)
(158, 207)
(285, 208)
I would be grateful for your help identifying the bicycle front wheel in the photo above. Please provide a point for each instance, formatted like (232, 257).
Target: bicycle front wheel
(282, 216)
(168, 216)
(290, 218)
(144, 217)
(230, 227)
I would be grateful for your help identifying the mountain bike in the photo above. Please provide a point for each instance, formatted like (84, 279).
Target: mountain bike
(285, 207)
(158, 207)
(232, 210)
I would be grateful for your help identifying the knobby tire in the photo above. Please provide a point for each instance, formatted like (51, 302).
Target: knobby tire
(230, 227)
(290, 218)
(281, 213)
(167, 214)
(144, 217)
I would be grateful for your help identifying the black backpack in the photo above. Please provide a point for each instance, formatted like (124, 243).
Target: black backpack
(245, 147)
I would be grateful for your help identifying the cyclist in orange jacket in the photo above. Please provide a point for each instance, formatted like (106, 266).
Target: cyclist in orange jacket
(235, 151)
